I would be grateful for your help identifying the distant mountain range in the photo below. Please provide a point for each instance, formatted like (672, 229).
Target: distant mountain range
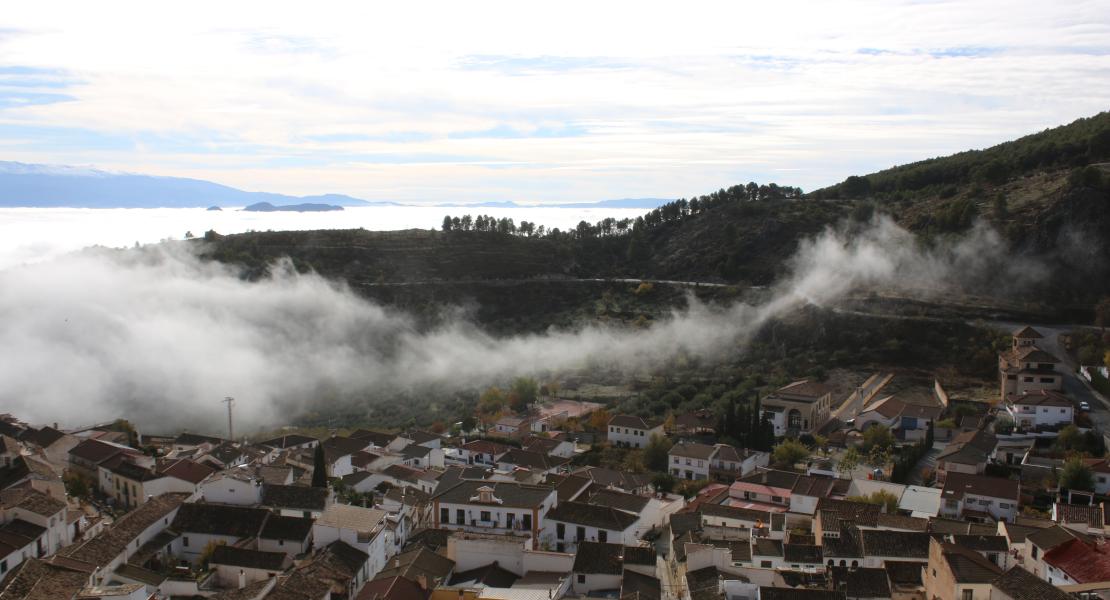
(51, 186)
(46, 186)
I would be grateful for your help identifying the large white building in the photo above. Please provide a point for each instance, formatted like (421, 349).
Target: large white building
(1040, 408)
(632, 432)
(1026, 368)
(979, 497)
(571, 522)
(494, 507)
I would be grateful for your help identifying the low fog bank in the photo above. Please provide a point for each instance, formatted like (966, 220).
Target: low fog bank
(158, 336)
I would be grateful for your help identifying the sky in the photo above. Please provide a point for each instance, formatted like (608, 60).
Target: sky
(432, 102)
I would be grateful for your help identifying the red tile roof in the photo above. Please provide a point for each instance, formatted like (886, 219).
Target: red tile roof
(1082, 562)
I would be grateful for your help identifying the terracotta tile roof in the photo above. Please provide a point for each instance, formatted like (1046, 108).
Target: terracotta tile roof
(42, 438)
(640, 586)
(219, 519)
(378, 438)
(1028, 333)
(833, 512)
(392, 588)
(900, 544)
(1042, 398)
(639, 555)
(598, 558)
(619, 500)
(567, 487)
(1019, 584)
(808, 485)
(96, 451)
(1079, 513)
(31, 500)
(36, 579)
(1083, 562)
(114, 540)
(187, 470)
(901, 522)
(692, 450)
(486, 447)
(295, 497)
(279, 527)
(419, 562)
(968, 566)
(866, 583)
(969, 448)
(804, 388)
(632, 422)
(772, 478)
(1050, 537)
(602, 517)
(356, 518)
(958, 484)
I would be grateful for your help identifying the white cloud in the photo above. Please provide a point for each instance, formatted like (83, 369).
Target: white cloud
(671, 101)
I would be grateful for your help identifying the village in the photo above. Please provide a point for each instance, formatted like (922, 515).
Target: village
(871, 495)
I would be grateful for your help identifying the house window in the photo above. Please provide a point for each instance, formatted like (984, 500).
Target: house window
(560, 530)
(1027, 380)
(460, 516)
(444, 515)
(1003, 506)
(3, 566)
(1046, 380)
(581, 579)
(526, 522)
(1034, 552)
(676, 460)
(509, 518)
(580, 534)
(766, 564)
(602, 536)
(777, 499)
(281, 542)
(560, 547)
(967, 595)
(185, 541)
(485, 515)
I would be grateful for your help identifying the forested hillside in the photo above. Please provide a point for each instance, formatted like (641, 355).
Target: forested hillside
(1047, 195)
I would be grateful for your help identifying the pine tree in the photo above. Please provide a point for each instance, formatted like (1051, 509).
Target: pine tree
(319, 468)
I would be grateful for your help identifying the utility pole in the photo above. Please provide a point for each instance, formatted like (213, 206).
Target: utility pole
(230, 432)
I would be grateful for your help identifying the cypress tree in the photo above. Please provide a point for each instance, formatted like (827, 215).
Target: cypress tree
(319, 468)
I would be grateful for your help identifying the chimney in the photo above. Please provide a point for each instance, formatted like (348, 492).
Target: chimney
(242, 579)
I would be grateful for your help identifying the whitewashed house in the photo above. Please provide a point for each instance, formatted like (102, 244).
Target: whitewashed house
(631, 431)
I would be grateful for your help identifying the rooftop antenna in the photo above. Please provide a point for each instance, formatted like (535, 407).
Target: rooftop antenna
(230, 432)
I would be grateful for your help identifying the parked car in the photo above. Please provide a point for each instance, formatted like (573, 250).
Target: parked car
(1084, 406)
